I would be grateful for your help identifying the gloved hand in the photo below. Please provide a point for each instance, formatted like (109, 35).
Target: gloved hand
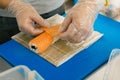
(26, 16)
(78, 24)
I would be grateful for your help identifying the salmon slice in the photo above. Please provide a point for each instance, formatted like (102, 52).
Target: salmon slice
(53, 30)
(40, 43)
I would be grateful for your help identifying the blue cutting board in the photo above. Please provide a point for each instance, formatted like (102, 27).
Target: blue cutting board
(77, 67)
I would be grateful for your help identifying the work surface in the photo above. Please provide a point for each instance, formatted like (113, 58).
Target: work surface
(76, 68)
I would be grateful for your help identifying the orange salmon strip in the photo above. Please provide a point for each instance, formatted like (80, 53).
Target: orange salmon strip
(45, 39)
(53, 30)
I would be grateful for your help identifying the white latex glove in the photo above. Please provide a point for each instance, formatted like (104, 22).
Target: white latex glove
(78, 24)
(26, 16)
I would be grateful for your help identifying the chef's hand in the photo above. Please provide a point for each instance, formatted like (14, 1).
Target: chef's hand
(27, 17)
(78, 24)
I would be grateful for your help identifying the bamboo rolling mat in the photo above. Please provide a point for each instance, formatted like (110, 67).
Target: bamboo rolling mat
(60, 51)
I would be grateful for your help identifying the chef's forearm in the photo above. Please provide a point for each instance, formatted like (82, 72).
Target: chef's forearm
(98, 4)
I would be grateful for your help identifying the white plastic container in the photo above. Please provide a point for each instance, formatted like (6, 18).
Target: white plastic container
(113, 66)
(20, 73)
